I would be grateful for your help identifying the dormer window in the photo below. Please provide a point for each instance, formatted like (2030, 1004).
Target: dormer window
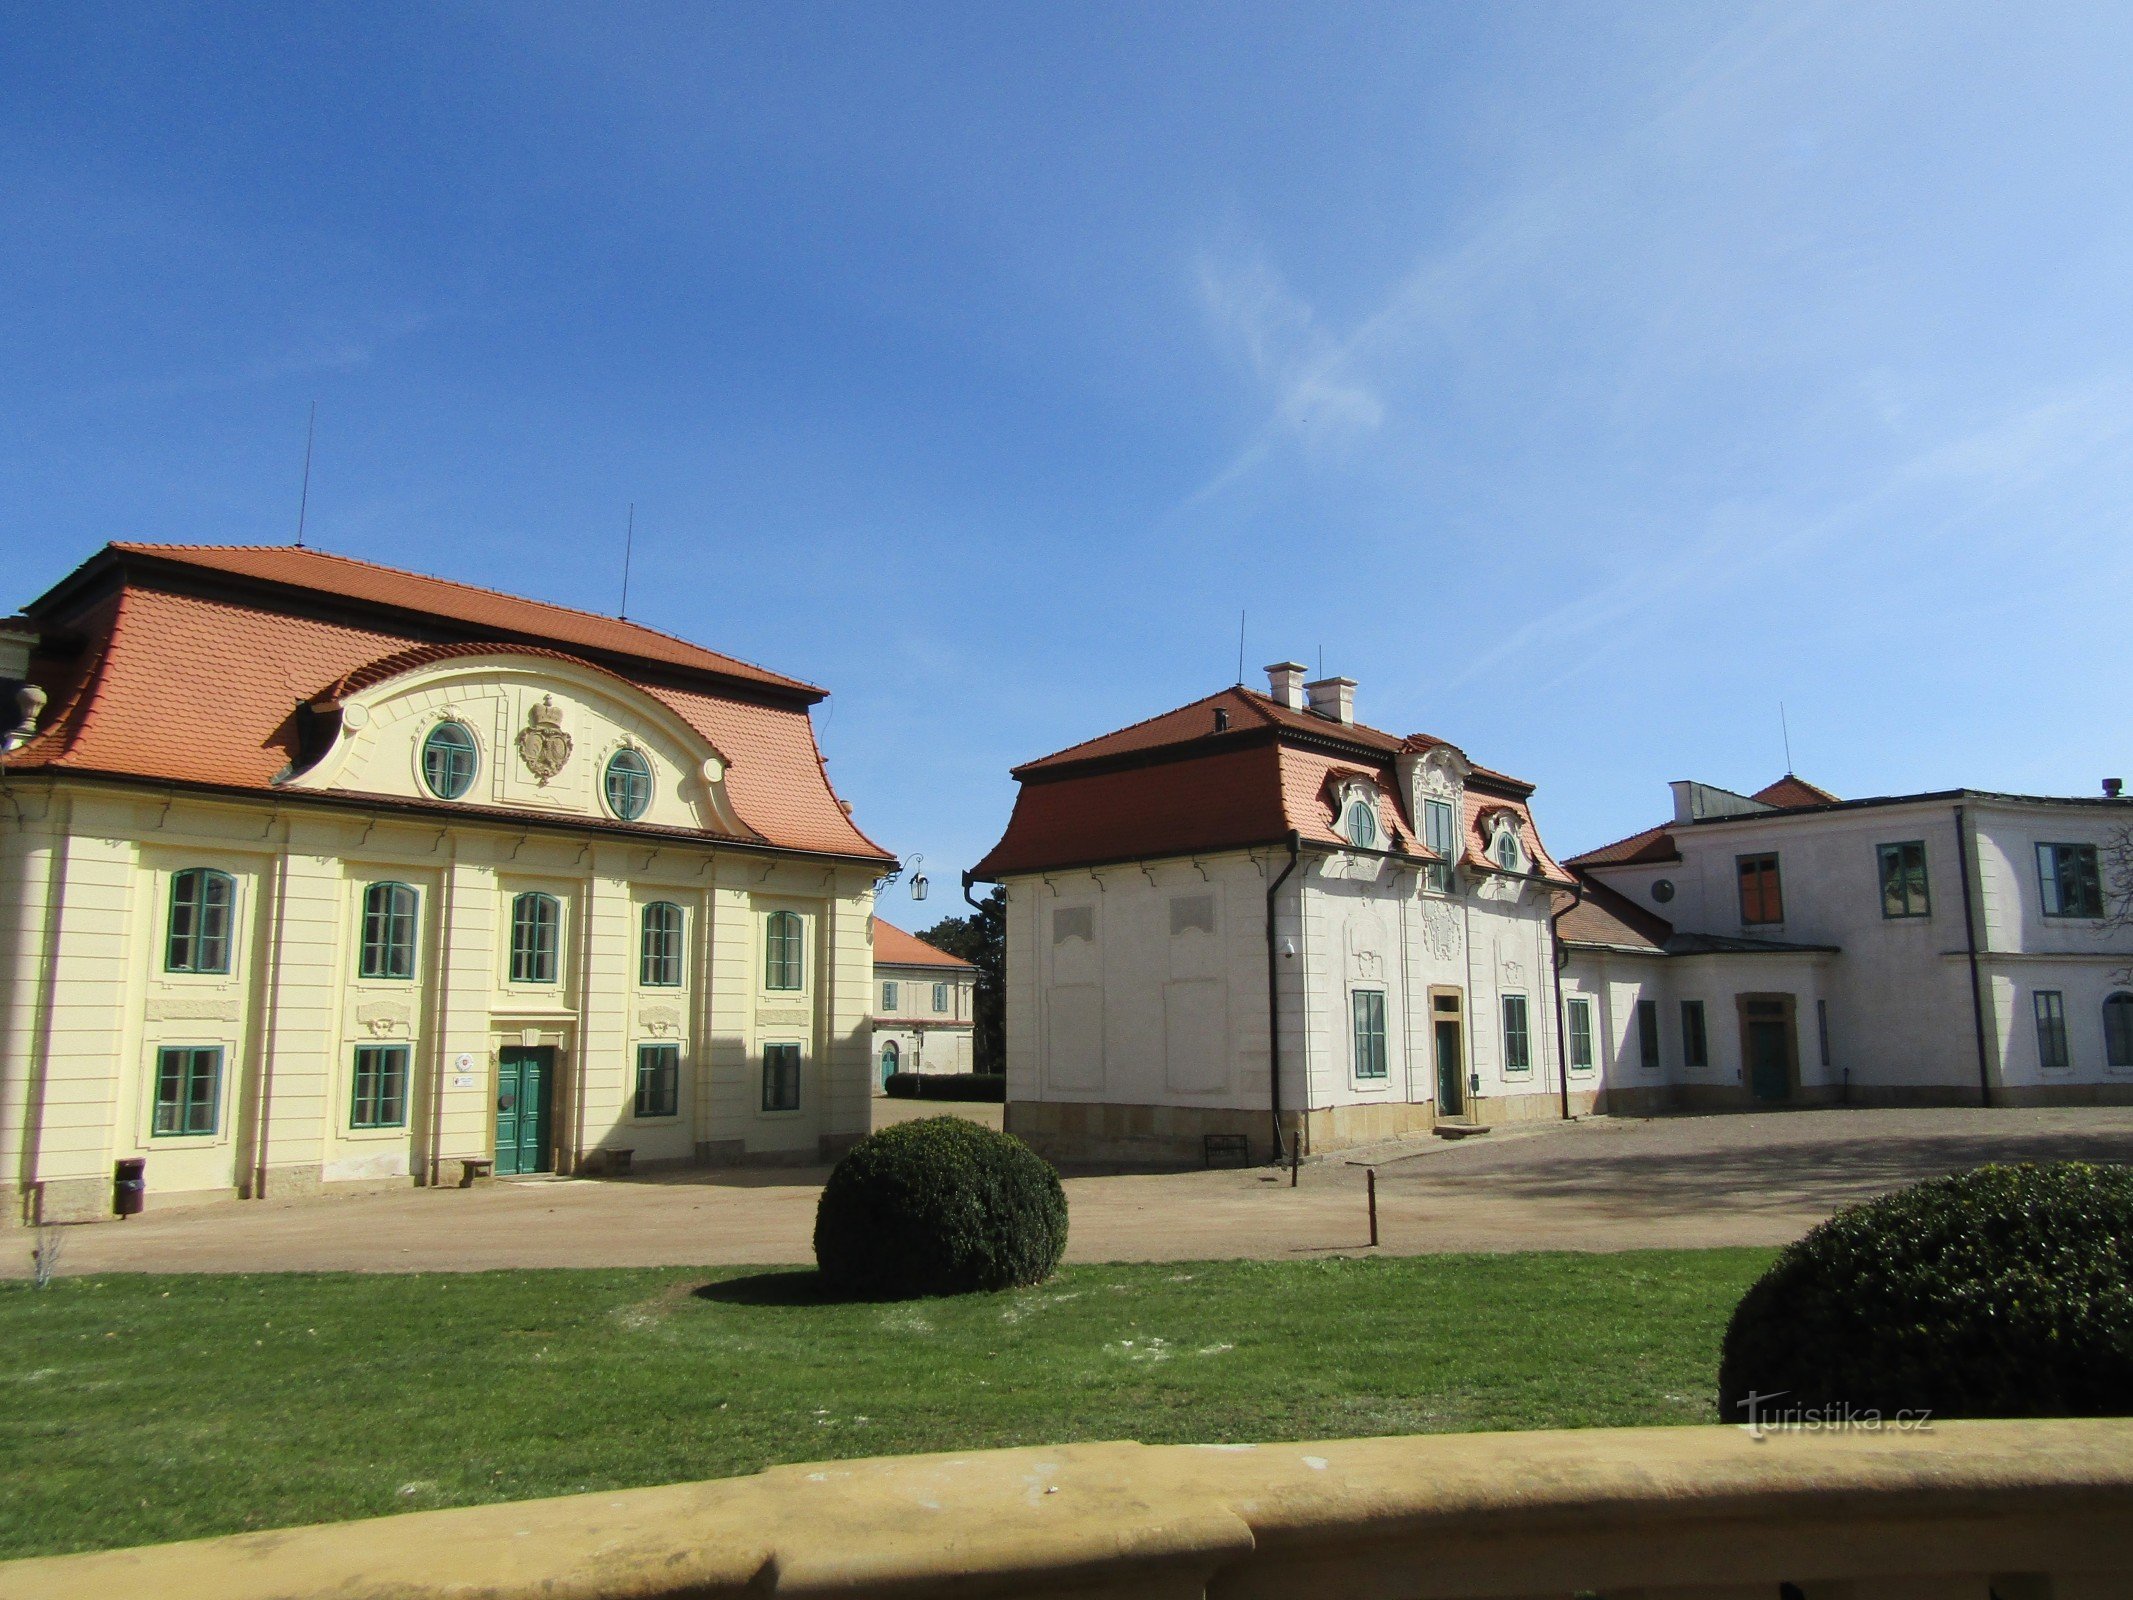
(1359, 822)
(629, 784)
(1509, 854)
(448, 760)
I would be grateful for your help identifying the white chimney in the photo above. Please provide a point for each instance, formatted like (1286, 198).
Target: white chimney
(1285, 682)
(1333, 699)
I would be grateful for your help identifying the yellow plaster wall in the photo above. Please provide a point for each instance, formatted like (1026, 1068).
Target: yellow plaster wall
(84, 1001)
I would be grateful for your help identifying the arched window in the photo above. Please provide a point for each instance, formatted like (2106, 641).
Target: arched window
(891, 1059)
(535, 922)
(1360, 823)
(782, 965)
(2118, 1030)
(200, 902)
(629, 784)
(449, 758)
(1509, 855)
(659, 954)
(388, 931)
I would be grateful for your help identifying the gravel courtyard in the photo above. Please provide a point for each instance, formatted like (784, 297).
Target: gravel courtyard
(1598, 1184)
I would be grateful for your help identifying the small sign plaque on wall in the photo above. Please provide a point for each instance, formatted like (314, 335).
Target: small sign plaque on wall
(465, 1069)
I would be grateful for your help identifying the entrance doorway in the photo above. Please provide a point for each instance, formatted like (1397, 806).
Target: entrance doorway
(525, 1108)
(1448, 1025)
(891, 1059)
(1767, 1044)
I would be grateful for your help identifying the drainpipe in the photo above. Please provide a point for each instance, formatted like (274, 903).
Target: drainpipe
(1273, 992)
(1977, 989)
(1561, 959)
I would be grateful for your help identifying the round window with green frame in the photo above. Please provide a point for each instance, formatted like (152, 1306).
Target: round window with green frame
(629, 784)
(449, 760)
(1361, 823)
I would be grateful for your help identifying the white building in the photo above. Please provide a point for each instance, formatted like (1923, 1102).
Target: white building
(1787, 947)
(924, 1006)
(1255, 913)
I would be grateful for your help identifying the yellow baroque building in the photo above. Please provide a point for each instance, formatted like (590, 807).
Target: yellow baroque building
(313, 872)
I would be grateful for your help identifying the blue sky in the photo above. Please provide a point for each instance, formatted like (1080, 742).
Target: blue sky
(1583, 380)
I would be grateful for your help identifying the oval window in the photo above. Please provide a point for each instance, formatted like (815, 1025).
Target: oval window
(1362, 824)
(629, 784)
(1663, 890)
(449, 758)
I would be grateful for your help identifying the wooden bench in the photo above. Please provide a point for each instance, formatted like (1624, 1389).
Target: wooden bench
(472, 1167)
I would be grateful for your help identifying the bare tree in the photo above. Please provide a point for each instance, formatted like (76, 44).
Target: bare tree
(2117, 856)
(44, 1259)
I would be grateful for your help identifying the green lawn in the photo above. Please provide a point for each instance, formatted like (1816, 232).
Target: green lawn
(138, 1409)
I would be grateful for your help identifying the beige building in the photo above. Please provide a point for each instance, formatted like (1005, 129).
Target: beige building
(315, 872)
(925, 1002)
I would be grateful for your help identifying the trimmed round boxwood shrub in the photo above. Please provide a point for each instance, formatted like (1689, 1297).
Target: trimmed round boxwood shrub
(2004, 1292)
(938, 1206)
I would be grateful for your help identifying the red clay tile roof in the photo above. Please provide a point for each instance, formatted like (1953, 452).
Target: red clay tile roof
(475, 612)
(192, 687)
(1173, 786)
(895, 948)
(1657, 844)
(1789, 793)
(1607, 917)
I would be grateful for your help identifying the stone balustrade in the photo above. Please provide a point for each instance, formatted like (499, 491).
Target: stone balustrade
(2016, 1510)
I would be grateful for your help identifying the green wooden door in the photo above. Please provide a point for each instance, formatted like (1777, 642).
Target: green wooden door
(1769, 1054)
(1451, 1070)
(525, 1084)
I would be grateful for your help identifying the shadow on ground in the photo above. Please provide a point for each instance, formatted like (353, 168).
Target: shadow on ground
(797, 1286)
(1781, 1177)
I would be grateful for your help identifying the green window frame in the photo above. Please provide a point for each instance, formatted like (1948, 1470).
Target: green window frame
(2118, 1029)
(388, 944)
(202, 905)
(1360, 823)
(1580, 1015)
(784, 958)
(2052, 1051)
(536, 929)
(450, 759)
(781, 1077)
(1517, 1036)
(2068, 877)
(1648, 1034)
(380, 1099)
(658, 1081)
(659, 948)
(1510, 854)
(1903, 879)
(1366, 1011)
(889, 993)
(1442, 836)
(628, 784)
(1695, 1035)
(188, 1091)
(1762, 889)
(940, 999)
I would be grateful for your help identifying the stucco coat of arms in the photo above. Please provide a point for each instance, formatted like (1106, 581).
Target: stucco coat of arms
(542, 743)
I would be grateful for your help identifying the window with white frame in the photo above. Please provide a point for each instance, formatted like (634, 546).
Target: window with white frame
(1508, 852)
(1517, 1037)
(1580, 1015)
(940, 999)
(1367, 1011)
(198, 939)
(783, 961)
(536, 924)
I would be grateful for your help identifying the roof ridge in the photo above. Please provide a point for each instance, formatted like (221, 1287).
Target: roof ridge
(1113, 733)
(311, 553)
